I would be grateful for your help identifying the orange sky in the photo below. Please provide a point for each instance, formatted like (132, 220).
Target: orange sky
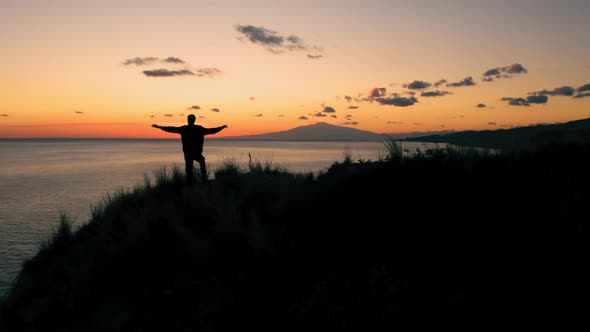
(96, 69)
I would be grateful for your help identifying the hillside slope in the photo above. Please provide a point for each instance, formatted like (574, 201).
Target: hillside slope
(450, 240)
(516, 138)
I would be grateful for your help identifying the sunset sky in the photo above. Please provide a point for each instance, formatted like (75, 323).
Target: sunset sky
(112, 68)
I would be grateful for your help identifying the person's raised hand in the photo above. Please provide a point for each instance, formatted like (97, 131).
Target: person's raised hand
(224, 126)
(155, 126)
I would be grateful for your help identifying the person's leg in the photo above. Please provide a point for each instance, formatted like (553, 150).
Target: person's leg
(201, 160)
(188, 163)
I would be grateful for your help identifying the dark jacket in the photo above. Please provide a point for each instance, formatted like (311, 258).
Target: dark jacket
(193, 137)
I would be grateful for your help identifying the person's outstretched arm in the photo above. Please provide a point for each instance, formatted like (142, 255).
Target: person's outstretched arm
(175, 130)
(209, 131)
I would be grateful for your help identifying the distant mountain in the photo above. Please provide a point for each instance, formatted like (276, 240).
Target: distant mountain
(322, 131)
(577, 131)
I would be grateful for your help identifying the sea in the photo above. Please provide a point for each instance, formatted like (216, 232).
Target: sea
(42, 178)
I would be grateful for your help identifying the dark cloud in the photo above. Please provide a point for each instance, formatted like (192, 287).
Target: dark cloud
(328, 109)
(516, 101)
(491, 123)
(303, 117)
(585, 87)
(168, 115)
(172, 59)
(273, 42)
(140, 61)
(539, 99)
(503, 72)
(394, 122)
(582, 95)
(467, 81)
(377, 92)
(316, 56)
(257, 115)
(440, 82)
(348, 116)
(334, 116)
(252, 98)
(78, 112)
(4, 115)
(436, 93)
(319, 115)
(281, 115)
(350, 123)
(348, 98)
(481, 106)
(194, 107)
(207, 72)
(353, 107)
(215, 110)
(167, 73)
(397, 101)
(561, 91)
(152, 116)
(417, 85)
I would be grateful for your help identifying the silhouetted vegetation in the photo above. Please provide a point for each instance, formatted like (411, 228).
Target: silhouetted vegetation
(448, 239)
(575, 132)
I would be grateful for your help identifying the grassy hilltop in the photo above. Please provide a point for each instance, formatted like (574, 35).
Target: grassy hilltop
(450, 238)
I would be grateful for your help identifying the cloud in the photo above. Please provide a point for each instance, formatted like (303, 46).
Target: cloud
(377, 92)
(481, 106)
(394, 122)
(215, 110)
(140, 61)
(172, 59)
(4, 115)
(503, 72)
(350, 123)
(328, 109)
(582, 95)
(348, 98)
(348, 116)
(561, 91)
(540, 99)
(334, 116)
(516, 101)
(583, 91)
(416, 123)
(273, 42)
(168, 115)
(181, 114)
(467, 81)
(257, 115)
(281, 115)
(167, 73)
(78, 112)
(207, 72)
(353, 107)
(303, 117)
(397, 101)
(194, 107)
(252, 98)
(417, 85)
(152, 116)
(440, 82)
(436, 93)
(491, 123)
(585, 87)
(319, 114)
(537, 99)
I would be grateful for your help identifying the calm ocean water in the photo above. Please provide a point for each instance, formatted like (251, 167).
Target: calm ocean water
(41, 178)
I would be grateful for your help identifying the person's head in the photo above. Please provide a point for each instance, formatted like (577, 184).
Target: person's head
(191, 119)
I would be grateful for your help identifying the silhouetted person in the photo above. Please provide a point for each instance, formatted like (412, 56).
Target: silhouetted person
(193, 137)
